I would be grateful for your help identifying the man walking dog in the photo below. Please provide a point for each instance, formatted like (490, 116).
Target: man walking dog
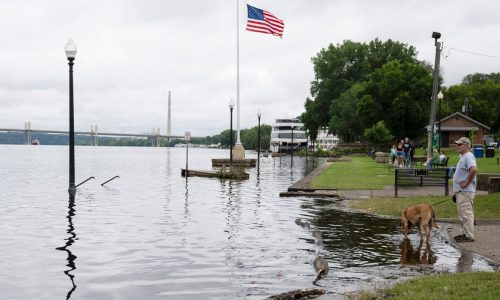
(464, 187)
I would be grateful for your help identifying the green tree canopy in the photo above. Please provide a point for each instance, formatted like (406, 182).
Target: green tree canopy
(481, 92)
(399, 94)
(345, 119)
(337, 69)
(249, 137)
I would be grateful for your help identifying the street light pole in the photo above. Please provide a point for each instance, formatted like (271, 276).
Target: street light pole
(435, 86)
(231, 106)
(70, 50)
(258, 141)
(440, 99)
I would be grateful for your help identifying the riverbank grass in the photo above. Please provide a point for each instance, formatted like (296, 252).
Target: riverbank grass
(470, 285)
(485, 206)
(363, 173)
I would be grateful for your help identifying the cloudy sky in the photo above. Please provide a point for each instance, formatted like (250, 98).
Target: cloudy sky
(132, 52)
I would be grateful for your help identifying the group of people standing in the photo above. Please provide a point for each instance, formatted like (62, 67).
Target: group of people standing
(403, 152)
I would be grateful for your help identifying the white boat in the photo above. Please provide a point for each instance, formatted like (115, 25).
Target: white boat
(281, 136)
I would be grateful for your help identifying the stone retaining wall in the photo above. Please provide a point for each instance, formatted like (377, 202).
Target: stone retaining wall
(483, 181)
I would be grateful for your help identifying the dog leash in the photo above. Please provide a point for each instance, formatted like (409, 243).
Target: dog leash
(440, 202)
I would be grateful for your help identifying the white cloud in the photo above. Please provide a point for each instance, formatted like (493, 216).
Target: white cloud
(131, 53)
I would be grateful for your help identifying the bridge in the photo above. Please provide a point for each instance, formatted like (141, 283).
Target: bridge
(154, 136)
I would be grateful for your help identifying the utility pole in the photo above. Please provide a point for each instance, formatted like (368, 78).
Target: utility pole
(435, 87)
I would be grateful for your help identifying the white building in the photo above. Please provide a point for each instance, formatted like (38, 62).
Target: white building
(325, 140)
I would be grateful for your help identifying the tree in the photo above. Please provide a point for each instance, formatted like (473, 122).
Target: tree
(345, 115)
(399, 94)
(378, 136)
(338, 68)
(311, 123)
(249, 137)
(482, 93)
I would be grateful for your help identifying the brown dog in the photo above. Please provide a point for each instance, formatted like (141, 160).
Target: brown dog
(421, 215)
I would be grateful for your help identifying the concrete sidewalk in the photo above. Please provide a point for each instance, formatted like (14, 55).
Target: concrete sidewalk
(486, 239)
(406, 191)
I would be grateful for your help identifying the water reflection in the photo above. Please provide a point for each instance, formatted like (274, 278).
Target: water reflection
(411, 256)
(66, 248)
(360, 239)
(186, 201)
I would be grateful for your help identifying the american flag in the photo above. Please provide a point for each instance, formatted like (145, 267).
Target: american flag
(263, 21)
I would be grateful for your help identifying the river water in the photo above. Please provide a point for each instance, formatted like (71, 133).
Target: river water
(152, 234)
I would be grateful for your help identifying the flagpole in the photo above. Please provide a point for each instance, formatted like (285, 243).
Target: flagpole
(238, 140)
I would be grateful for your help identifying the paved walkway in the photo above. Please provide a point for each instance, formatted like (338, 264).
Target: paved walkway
(486, 239)
(405, 191)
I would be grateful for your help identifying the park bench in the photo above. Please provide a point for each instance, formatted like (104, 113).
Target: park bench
(419, 159)
(421, 177)
(442, 164)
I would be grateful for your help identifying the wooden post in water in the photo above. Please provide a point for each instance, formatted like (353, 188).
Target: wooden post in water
(187, 137)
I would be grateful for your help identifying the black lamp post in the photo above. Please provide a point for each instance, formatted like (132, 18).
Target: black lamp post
(258, 141)
(231, 106)
(70, 50)
(307, 143)
(440, 99)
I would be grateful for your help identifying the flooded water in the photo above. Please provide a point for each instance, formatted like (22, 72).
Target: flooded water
(152, 234)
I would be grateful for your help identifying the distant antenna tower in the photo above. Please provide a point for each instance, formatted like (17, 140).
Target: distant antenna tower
(169, 120)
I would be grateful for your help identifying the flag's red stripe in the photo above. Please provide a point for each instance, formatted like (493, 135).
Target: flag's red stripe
(263, 29)
(262, 25)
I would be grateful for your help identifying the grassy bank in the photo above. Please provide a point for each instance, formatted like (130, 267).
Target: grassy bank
(472, 285)
(363, 173)
(485, 206)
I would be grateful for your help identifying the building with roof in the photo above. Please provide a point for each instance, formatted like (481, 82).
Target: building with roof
(325, 140)
(458, 125)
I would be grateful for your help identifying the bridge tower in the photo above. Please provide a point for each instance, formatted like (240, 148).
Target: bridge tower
(155, 137)
(169, 118)
(27, 133)
(93, 135)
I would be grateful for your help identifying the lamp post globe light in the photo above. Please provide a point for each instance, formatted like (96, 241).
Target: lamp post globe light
(231, 107)
(259, 114)
(440, 97)
(70, 50)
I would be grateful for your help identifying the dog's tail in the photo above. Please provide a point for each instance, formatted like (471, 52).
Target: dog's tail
(433, 219)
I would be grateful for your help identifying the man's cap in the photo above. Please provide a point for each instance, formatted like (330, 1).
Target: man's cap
(463, 140)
